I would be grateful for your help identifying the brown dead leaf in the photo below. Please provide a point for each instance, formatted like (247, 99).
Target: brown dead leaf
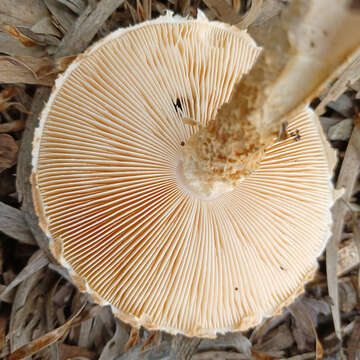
(45, 340)
(13, 126)
(8, 151)
(39, 38)
(14, 32)
(134, 339)
(55, 66)
(140, 11)
(5, 96)
(7, 93)
(4, 318)
(23, 69)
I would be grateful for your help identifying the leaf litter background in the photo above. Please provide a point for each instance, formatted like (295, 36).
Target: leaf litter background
(42, 315)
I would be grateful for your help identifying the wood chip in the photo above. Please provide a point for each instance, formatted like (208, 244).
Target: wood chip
(36, 263)
(232, 341)
(45, 26)
(354, 341)
(348, 257)
(23, 185)
(305, 312)
(328, 122)
(85, 27)
(347, 295)
(183, 347)
(278, 339)
(13, 224)
(13, 47)
(18, 12)
(219, 355)
(8, 151)
(346, 180)
(63, 18)
(345, 80)
(343, 105)
(341, 131)
(77, 6)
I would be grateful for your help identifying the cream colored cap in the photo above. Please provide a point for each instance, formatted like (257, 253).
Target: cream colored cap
(108, 189)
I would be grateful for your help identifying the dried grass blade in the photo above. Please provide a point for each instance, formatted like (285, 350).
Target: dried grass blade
(45, 340)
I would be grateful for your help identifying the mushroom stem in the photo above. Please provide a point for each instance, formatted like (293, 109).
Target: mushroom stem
(304, 52)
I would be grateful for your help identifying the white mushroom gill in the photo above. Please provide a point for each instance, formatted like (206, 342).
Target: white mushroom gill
(107, 189)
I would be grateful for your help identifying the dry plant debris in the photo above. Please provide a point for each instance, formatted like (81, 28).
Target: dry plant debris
(36, 304)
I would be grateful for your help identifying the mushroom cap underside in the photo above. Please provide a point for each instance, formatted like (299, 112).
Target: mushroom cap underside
(109, 196)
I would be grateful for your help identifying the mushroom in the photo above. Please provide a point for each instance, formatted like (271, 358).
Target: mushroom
(112, 190)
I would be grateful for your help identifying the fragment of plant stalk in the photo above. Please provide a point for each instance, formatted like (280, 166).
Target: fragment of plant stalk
(179, 221)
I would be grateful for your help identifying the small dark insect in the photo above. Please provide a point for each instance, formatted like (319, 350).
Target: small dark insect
(281, 268)
(296, 135)
(177, 105)
(236, 289)
(182, 143)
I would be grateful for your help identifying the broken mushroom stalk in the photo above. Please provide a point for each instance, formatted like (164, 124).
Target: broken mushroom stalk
(182, 213)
